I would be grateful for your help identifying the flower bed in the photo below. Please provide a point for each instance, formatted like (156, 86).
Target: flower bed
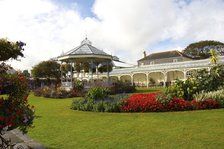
(15, 109)
(151, 103)
(57, 92)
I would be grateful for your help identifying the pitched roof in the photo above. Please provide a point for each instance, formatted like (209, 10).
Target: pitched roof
(86, 49)
(166, 54)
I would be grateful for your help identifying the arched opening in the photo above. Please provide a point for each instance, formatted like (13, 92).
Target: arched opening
(156, 79)
(172, 76)
(140, 79)
(126, 78)
(113, 79)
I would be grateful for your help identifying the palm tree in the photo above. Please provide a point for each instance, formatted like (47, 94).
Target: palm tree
(213, 56)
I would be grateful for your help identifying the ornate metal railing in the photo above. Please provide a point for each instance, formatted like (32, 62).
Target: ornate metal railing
(166, 66)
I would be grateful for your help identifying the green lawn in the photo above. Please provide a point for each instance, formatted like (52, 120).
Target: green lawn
(58, 127)
(149, 90)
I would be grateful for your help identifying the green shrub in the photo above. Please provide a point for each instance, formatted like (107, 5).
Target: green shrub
(78, 85)
(200, 81)
(183, 89)
(210, 81)
(112, 106)
(214, 95)
(163, 98)
(82, 105)
(97, 93)
(122, 87)
(109, 104)
(99, 106)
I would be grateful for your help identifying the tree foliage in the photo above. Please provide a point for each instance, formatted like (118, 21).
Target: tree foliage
(46, 69)
(104, 67)
(82, 66)
(200, 50)
(15, 109)
(26, 73)
(10, 49)
(200, 81)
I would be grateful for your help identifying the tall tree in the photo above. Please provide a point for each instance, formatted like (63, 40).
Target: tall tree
(46, 69)
(200, 50)
(103, 67)
(26, 73)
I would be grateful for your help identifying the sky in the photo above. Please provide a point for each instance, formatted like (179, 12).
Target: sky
(124, 28)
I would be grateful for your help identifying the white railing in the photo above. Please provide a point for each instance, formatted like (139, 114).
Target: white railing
(167, 66)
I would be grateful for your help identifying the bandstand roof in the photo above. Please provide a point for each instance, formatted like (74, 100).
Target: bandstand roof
(85, 50)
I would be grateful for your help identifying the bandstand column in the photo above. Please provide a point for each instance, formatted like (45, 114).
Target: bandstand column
(91, 69)
(61, 73)
(71, 75)
(108, 75)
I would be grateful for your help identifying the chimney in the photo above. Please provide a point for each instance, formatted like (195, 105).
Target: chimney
(144, 54)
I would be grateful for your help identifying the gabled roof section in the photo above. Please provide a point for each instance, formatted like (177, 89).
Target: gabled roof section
(166, 54)
(86, 48)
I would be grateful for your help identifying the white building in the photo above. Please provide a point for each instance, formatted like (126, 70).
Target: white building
(155, 69)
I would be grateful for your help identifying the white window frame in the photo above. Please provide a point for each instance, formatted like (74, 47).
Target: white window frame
(175, 60)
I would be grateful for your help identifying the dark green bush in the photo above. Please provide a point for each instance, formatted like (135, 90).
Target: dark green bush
(109, 104)
(78, 85)
(210, 81)
(97, 93)
(183, 89)
(122, 87)
(202, 80)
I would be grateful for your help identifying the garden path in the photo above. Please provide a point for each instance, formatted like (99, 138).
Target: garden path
(22, 140)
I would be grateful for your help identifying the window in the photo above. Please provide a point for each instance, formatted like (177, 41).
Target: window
(175, 60)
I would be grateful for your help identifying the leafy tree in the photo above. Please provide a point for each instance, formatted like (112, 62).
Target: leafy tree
(103, 67)
(26, 73)
(200, 50)
(46, 69)
(10, 49)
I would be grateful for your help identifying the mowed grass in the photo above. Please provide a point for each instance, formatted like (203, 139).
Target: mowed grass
(149, 90)
(59, 127)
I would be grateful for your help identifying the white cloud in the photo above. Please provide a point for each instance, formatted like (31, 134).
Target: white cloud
(125, 28)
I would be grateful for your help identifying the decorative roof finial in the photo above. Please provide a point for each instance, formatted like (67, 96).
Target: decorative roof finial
(86, 41)
(86, 36)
